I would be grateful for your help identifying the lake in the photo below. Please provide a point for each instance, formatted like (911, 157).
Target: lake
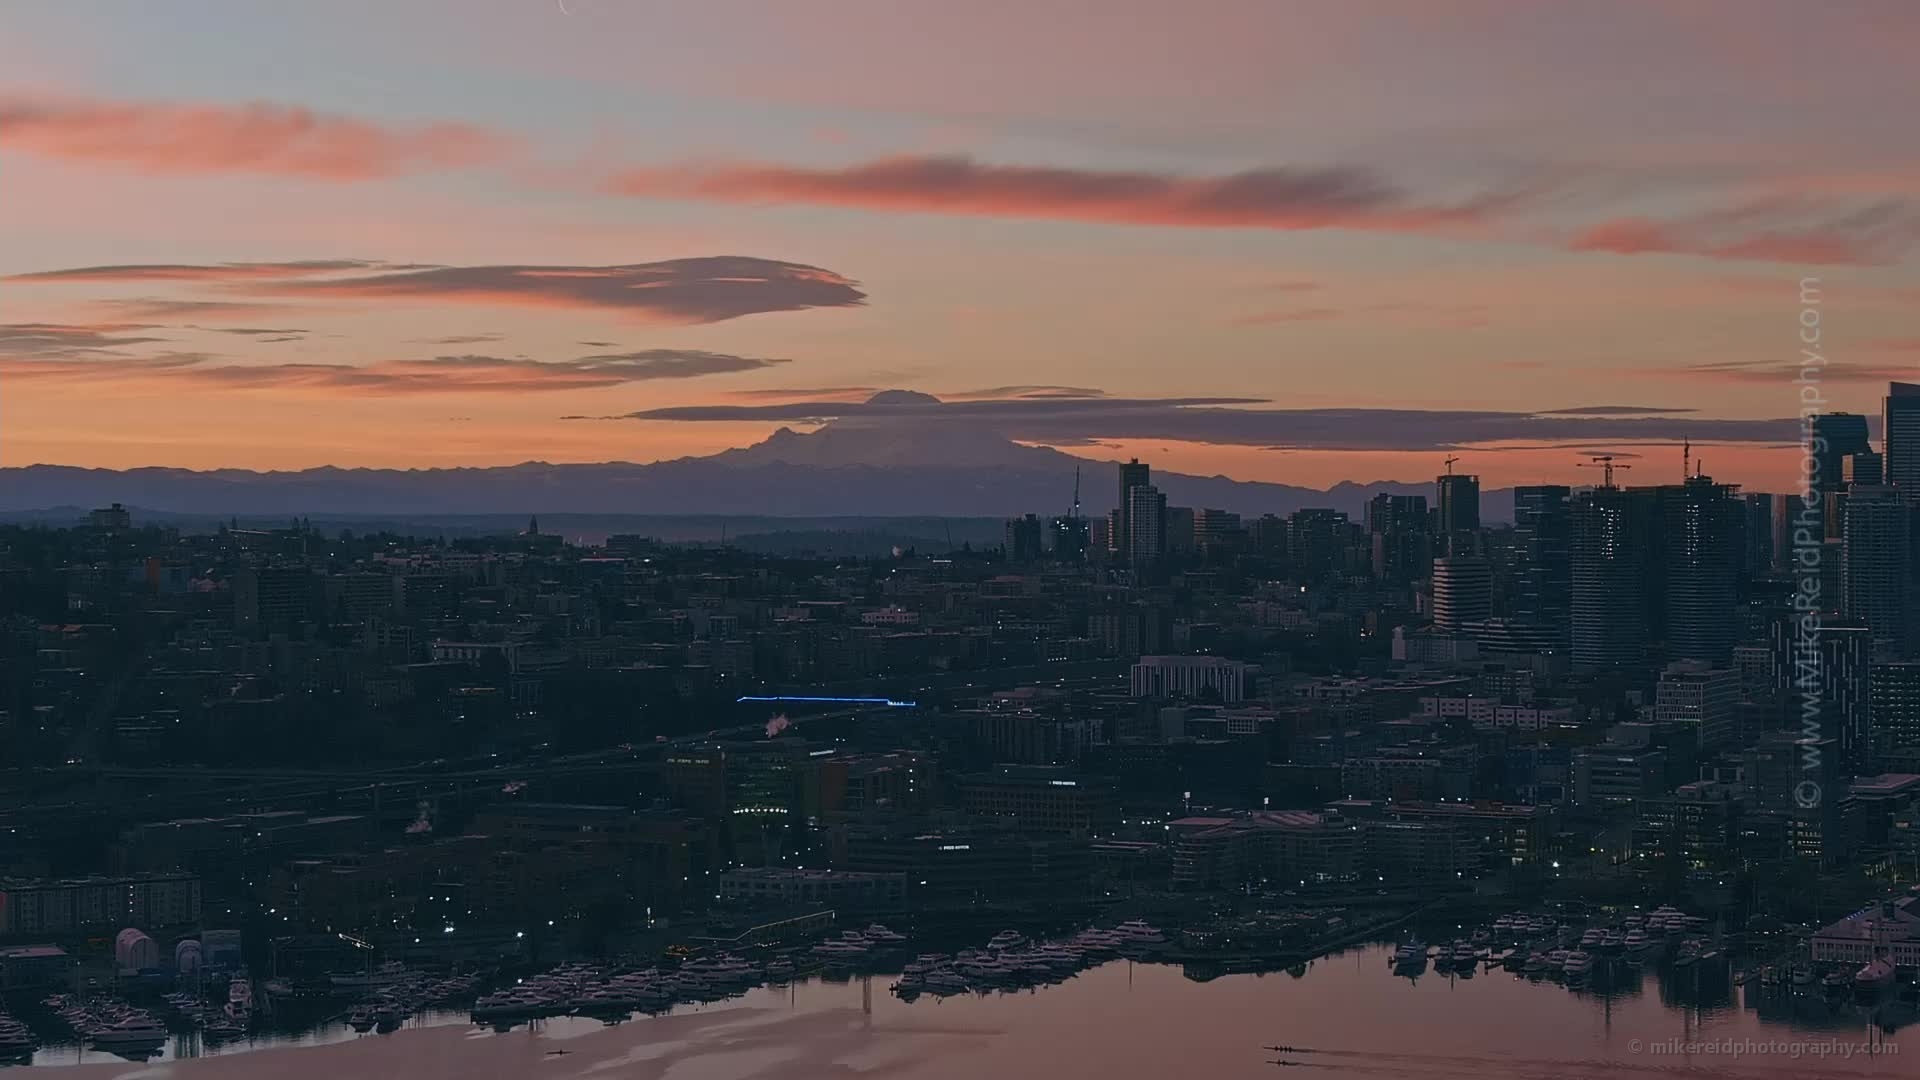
(1348, 1015)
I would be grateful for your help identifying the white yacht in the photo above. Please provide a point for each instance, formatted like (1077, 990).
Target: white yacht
(1137, 932)
(841, 950)
(1636, 940)
(15, 1038)
(1098, 941)
(239, 1001)
(137, 1030)
(1007, 939)
(1592, 937)
(1578, 964)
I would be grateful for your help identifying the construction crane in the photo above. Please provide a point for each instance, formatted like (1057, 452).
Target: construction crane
(1449, 463)
(1605, 463)
(1075, 516)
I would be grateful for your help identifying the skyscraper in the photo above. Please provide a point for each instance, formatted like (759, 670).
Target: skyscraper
(1609, 554)
(1462, 592)
(1146, 524)
(1133, 474)
(1823, 686)
(1070, 539)
(1542, 524)
(1402, 540)
(1836, 437)
(1459, 508)
(1874, 574)
(1023, 539)
(1900, 432)
(1758, 557)
(1698, 521)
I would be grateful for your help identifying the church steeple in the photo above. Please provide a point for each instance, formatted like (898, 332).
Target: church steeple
(533, 525)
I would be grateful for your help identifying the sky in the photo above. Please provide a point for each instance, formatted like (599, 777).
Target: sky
(1296, 242)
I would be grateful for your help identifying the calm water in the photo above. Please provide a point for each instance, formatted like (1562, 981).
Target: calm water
(1123, 1021)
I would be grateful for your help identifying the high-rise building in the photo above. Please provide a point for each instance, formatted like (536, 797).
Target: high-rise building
(1133, 474)
(1702, 695)
(1023, 539)
(1822, 680)
(1757, 560)
(1459, 508)
(1784, 508)
(1835, 438)
(1179, 529)
(1214, 529)
(1542, 524)
(1863, 470)
(115, 518)
(1893, 689)
(1875, 578)
(1314, 540)
(1462, 592)
(1145, 525)
(1071, 537)
(272, 598)
(1697, 569)
(1900, 431)
(1401, 534)
(1610, 564)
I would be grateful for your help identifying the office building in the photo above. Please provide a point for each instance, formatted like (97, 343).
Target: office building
(273, 598)
(1706, 697)
(1190, 676)
(1893, 691)
(1822, 683)
(1314, 541)
(1462, 592)
(1543, 585)
(1215, 529)
(1863, 470)
(1399, 528)
(1875, 574)
(1835, 437)
(1900, 432)
(1458, 506)
(1758, 535)
(1040, 800)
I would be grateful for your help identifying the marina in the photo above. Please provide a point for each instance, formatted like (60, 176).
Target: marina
(1665, 954)
(1347, 1014)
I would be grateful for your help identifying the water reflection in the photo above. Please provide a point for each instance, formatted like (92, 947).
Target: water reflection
(1346, 1015)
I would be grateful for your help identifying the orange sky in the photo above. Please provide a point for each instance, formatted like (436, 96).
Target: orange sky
(509, 217)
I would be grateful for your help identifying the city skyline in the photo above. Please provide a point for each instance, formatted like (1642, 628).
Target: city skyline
(1218, 243)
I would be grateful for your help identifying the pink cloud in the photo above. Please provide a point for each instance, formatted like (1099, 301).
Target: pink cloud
(1286, 199)
(278, 140)
(1788, 230)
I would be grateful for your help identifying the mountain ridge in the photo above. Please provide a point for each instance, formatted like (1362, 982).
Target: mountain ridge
(840, 469)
